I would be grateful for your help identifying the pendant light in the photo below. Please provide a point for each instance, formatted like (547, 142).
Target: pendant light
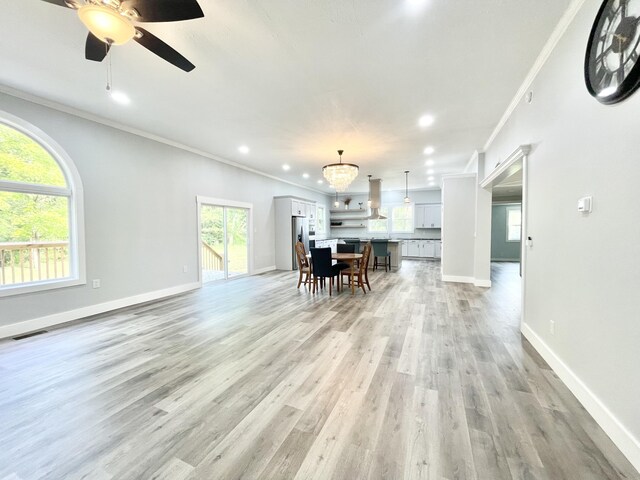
(369, 199)
(406, 187)
(336, 204)
(340, 175)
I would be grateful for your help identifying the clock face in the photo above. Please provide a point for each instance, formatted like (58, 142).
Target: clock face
(612, 70)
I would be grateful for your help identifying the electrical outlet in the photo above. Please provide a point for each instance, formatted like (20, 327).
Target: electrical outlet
(552, 327)
(185, 269)
(96, 283)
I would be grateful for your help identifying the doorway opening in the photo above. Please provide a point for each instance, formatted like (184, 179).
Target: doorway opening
(506, 219)
(224, 246)
(509, 215)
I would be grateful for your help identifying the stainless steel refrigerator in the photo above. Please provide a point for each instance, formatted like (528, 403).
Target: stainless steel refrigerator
(300, 233)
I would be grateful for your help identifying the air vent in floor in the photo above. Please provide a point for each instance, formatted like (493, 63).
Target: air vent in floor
(32, 334)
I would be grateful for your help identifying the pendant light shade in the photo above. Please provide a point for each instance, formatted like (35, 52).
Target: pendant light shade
(340, 175)
(406, 187)
(369, 199)
(336, 204)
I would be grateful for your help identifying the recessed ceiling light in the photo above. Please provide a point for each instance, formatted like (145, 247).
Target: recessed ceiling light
(305, 175)
(120, 97)
(430, 171)
(429, 150)
(426, 121)
(243, 149)
(430, 179)
(320, 182)
(429, 163)
(415, 5)
(286, 167)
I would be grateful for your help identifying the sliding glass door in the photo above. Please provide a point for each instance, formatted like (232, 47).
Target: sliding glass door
(224, 242)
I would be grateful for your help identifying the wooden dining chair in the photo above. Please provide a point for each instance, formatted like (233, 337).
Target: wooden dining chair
(304, 266)
(361, 274)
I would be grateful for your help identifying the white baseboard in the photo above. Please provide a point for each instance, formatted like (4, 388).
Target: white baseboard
(14, 329)
(624, 440)
(258, 271)
(482, 283)
(457, 279)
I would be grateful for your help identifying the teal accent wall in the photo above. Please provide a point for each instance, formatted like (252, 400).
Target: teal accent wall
(500, 248)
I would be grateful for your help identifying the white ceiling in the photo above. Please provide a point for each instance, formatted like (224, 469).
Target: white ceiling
(297, 79)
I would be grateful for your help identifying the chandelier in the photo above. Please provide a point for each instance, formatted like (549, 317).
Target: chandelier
(340, 175)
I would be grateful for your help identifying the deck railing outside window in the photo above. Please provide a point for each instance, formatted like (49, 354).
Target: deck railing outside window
(211, 260)
(23, 262)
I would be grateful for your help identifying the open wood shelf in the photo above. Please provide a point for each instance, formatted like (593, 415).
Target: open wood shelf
(351, 210)
(346, 219)
(348, 226)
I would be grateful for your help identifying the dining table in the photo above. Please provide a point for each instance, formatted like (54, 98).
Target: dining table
(349, 258)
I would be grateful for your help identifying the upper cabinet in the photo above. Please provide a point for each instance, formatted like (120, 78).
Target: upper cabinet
(428, 215)
(299, 207)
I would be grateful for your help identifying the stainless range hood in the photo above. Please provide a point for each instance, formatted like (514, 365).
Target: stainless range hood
(375, 194)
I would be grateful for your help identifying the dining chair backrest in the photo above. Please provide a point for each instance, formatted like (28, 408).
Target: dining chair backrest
(321, 260)
(364, 262)
(346, 248)
(355, 242)
(301, 255)
(380, 247)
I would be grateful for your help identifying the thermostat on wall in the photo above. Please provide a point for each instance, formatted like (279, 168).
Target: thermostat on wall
(585, 204)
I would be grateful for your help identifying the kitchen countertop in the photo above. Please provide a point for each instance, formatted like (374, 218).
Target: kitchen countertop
(392, 240)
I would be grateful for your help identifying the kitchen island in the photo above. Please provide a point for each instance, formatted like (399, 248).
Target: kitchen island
(395, 248)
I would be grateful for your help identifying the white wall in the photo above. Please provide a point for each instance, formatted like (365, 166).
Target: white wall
(140, 211)
(583, 272)
(458, 227)
(388, 198)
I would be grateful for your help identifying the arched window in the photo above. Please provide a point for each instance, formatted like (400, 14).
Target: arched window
(41, 240)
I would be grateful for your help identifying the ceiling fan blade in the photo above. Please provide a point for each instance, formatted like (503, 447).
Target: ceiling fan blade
(165, 10)
(157, 46)
(60, 3)
(95, 49)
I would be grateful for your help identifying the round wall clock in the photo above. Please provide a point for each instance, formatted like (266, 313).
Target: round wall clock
(611, 67)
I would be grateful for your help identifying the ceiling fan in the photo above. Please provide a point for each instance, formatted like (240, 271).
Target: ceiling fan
(111, 22)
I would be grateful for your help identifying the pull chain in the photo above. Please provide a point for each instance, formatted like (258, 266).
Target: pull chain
(109, 69)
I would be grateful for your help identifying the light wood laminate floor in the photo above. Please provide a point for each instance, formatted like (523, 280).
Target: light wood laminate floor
(254, 379)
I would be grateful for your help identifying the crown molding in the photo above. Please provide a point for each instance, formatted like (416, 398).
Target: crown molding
(548, 48)
(13, 92)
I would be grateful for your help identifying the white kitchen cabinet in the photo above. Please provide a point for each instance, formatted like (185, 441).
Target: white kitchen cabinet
(428, 249)
(311, 212)
(297, 208)
(413, 248)
(428, 215)
(438, 249)
(433, 216)
(419, 215)
(404, 249)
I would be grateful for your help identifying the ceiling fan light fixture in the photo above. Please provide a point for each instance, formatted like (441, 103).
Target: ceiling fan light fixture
(107, 24)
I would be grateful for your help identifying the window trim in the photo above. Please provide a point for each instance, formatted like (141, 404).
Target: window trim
(507, 210)
(412, 217)
(389, 230)
(388, 220)
(74, 192)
